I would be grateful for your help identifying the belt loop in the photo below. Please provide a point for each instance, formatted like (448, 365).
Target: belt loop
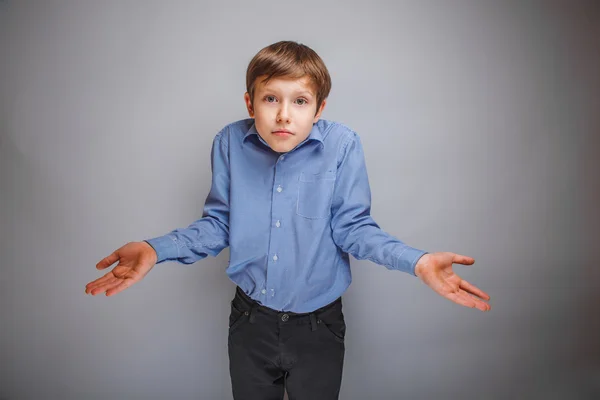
(313, 322)
(252, 314)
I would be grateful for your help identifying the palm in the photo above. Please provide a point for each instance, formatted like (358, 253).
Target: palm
(135, 261)
(436, 271)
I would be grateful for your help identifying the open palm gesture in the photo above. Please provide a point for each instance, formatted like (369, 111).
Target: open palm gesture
(135, 259)
(435, 270)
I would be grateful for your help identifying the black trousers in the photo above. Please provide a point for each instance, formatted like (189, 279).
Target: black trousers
(270, 350)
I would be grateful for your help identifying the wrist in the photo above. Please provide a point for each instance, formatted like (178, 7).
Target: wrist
(421, 264)
(151, 251)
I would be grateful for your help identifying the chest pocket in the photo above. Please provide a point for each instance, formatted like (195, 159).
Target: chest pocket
(315, 192)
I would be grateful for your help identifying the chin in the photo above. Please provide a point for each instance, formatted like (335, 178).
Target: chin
(281, 148)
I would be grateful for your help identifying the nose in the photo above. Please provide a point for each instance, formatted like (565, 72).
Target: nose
(283, 115)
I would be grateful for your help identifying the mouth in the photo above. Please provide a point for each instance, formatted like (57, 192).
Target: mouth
(282, 133)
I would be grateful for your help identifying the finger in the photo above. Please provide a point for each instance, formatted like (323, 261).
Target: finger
(100, 288)
(481, 305)
(472, 302)
(108, 261)
(106, 286)
(461, 298)
(99, 281)
(474, 290)
(119, 288)
(478, 303)
(460, 259)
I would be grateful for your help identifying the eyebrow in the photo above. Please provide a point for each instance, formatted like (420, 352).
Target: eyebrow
(296, 93)
(304, 92)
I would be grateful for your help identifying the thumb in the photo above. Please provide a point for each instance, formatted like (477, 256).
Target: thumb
(460, 259)
(108, 261)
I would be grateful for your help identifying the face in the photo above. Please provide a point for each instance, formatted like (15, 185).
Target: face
(284, 111)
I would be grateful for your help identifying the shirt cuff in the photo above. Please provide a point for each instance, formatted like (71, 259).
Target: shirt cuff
(407, 260)
(165, 247)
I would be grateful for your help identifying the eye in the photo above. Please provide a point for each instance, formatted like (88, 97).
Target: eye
(301, 101)
(270, 99)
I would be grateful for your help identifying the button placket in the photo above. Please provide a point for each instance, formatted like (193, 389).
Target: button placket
(279, 199)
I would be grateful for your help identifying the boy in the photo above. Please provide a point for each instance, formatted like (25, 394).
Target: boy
(290, 196)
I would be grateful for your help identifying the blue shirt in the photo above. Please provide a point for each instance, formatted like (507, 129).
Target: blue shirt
(289, 219)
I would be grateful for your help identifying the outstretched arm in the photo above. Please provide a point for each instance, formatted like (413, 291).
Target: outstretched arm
(208, 235)
(355, 232)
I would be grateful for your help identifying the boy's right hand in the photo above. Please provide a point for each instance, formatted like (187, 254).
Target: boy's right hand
(135, 259)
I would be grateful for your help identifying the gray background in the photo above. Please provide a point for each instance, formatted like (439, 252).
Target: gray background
(480, 122)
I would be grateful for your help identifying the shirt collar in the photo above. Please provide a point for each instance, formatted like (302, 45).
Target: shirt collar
(315, 134)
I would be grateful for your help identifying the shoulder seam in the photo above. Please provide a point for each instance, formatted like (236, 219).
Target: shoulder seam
(219, 138)
(349, 137)
(345, 128)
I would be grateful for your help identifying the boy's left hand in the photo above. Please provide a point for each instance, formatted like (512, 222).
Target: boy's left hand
(435, 270)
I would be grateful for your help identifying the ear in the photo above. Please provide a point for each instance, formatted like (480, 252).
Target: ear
(249, 105)
(319, 111)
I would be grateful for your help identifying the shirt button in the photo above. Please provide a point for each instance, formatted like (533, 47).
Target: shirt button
(285, 317)
(278, 224)
(282, 158)
(275, 258)
(264, 291)
(279, 189)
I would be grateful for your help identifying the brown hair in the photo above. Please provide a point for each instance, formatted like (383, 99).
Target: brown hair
(289, 59)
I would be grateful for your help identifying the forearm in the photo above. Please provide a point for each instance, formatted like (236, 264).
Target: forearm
(365, 240)
(206, 236)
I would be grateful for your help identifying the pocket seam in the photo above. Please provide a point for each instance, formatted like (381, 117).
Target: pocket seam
(238, 320)
(321, 176)
(335, 335)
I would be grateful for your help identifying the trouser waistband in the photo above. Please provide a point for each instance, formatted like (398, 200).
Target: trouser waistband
(253, 306)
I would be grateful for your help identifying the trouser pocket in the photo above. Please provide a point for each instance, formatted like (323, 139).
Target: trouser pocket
(332, 321)
(237, 316)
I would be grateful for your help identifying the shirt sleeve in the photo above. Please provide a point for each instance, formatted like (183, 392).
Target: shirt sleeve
(210, 234)
(354, 230)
